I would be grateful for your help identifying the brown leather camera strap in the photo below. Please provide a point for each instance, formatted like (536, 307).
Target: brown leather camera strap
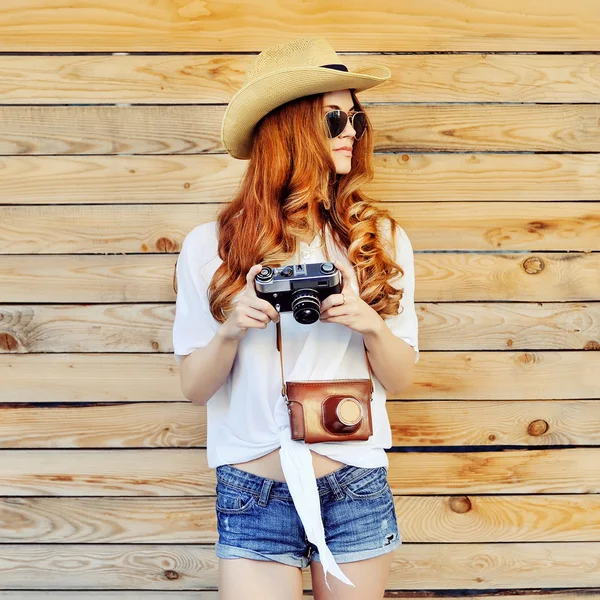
(280, 348)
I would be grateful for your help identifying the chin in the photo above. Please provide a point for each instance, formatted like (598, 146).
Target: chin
(343, 168)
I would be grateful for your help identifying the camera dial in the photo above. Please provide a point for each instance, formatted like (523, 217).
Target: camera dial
(265, 274)
(327, 267)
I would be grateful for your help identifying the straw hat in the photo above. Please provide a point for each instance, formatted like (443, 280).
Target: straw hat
(284, 72)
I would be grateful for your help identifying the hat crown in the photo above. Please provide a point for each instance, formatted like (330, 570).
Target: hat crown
(310, 51)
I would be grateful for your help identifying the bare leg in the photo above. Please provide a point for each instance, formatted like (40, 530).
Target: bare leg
(369, 576)
(258, 580)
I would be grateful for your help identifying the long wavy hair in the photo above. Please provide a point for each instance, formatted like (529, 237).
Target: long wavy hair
(291, 187)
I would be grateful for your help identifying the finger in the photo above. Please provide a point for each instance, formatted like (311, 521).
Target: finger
(334, 311)
(263, 306)
(255, 318)
(252, 273)
(331, 301)
(347, 276)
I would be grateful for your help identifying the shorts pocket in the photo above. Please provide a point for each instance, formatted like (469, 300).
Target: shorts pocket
(232, 500)
(372, 485)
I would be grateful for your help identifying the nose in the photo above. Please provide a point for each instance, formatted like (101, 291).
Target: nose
(349, 127)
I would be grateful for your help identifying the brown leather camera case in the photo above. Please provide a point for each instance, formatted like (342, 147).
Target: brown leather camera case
(328, 410)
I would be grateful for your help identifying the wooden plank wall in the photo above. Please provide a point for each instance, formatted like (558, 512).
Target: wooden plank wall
(487, 151)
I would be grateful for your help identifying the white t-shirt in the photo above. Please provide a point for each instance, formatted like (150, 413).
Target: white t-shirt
(247, 417)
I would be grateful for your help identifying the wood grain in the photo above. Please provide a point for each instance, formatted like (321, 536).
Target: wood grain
(474, 375)
(490, 161)
(192, 520)
(150, 595)
(442, 326)
(441, 277)
(189, 567)
(416, 424)
(110, 130)
(211, 26)
(202, 180)
(214, 78)
(92, 229)
(185, 472)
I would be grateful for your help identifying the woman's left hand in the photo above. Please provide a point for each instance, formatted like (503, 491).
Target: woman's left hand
(354, 312)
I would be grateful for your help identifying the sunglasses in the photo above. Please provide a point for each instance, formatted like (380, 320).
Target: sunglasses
(337, 119)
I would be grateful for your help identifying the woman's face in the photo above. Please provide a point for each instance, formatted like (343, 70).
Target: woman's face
(340, 100)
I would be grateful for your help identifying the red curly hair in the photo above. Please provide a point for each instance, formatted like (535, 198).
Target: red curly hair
(291, 187)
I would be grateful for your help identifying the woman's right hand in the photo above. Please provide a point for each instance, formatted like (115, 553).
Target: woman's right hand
(249, 310)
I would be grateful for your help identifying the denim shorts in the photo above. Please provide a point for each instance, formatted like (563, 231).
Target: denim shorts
(257, 519)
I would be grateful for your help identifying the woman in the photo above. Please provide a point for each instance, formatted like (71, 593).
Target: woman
(284, 504)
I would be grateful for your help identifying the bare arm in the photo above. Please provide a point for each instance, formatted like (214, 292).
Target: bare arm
(206, 369)
(391, 358)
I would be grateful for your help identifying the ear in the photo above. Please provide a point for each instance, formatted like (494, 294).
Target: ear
(175, 277)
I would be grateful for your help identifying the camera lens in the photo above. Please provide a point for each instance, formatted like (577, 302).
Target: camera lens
(306, 306)
(265, 274)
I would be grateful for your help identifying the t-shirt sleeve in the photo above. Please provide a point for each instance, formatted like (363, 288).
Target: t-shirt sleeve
(405, 324)
(193, 326)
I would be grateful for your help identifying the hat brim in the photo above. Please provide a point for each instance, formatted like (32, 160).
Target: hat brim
(260, 96)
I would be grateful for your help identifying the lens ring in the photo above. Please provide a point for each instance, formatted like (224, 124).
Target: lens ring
(306, 306)
(306, 296)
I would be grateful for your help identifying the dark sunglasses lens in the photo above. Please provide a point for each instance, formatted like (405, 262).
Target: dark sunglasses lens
(336, 121)
(360, 124)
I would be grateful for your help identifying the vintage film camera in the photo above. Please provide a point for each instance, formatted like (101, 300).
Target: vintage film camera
(299, 288)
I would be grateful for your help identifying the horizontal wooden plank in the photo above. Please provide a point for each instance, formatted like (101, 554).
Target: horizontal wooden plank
(214, 78)
(184, 472)
(442, 326)
(27, 26)
(121, 595)
(439, 375)
(67, 130)
(212, 178)
(441, 277)
(176, 520)
(150, 595)
(183, 424)
(433, 519)
(93, 229)
(414, 567)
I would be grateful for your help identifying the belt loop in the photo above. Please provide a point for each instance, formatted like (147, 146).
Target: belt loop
(265, 490)
(335, 486)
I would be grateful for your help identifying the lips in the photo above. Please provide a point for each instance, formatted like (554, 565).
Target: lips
(344, 148)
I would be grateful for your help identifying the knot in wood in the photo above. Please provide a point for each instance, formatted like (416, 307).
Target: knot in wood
(526, 357)
(460, 504)
(170, 574)
(165, 244)
(8, 342)
(538, 427)
(533, 265)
